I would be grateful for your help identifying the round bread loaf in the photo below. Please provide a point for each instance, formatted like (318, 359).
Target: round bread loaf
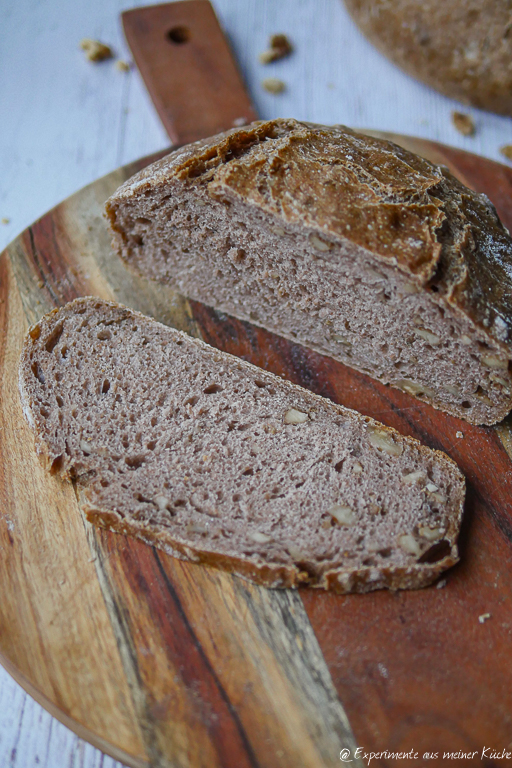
(345, 243)
(463, 48)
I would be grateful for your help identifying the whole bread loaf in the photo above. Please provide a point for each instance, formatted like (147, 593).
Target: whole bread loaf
(218, 462)
(347, 244)
(463, 48)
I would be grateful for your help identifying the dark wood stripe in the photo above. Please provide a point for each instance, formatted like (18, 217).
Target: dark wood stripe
(426, 652)
(136, 587)
(232, 709)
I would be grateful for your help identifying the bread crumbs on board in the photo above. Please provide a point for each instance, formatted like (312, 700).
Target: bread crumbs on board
(95, 50)
(279, 47)
(463, 123)
(273, 85)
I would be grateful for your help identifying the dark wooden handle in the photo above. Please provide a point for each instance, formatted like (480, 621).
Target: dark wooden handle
(188, 69)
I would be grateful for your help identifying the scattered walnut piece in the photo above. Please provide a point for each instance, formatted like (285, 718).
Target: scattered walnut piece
(319, 244)
(495, 363)
(94, 50)
(343, 514)
(412, 388)
(412, 477)
(273, 85)
(384, 442)
(440, 584)
(455, 391)
(499, 380)
(123, 66)
(484, 617)
(5, 220)
(279, 47)
(35, 331)
(296, 552)
(409, 544)
(293, 416)
(459, 434)
(196, 528)
(431, 338)
(161, 501)
(259, 537)
(463, 123)
(506, 151)
(431, 534)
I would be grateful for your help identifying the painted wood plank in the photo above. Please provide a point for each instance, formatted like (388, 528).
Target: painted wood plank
(188, 69)
(67, 122)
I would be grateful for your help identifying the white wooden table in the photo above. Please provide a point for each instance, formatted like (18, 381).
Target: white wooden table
(65, 121)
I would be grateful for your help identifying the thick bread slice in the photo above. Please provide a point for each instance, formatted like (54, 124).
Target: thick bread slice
(218, 462)
(347, 244)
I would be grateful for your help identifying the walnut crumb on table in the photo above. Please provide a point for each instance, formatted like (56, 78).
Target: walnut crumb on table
(464, 123)
(273, 85)
(94, 50)
(459, 434)
(506, 151)
(279, 47)
(123, 66)
(5, 220)
(484, 617)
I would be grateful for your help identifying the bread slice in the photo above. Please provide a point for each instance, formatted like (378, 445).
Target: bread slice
(218, 462)
(347, 244)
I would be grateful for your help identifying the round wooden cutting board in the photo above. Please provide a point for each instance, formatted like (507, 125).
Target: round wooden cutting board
(164, 663)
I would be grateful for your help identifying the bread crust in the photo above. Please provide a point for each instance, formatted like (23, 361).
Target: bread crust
(340, 580)
(463, 254)
(462, 48)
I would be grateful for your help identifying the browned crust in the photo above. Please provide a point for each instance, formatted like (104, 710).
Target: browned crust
(341, 580)
(463, 48)
(360, 190)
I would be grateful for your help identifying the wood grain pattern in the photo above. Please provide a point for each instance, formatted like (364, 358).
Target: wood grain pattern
(188, 69)
(109, 121)
(49, 590)
(191, 667)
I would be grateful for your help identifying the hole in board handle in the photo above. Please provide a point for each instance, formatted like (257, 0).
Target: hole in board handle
(178, 35)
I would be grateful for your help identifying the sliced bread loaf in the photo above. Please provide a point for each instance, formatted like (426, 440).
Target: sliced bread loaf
(218, 462)
(347, 244)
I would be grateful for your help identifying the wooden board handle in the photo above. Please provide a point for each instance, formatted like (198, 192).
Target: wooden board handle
(188, 69)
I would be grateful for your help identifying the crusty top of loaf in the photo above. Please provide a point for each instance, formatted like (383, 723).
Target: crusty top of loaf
(350, 187)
